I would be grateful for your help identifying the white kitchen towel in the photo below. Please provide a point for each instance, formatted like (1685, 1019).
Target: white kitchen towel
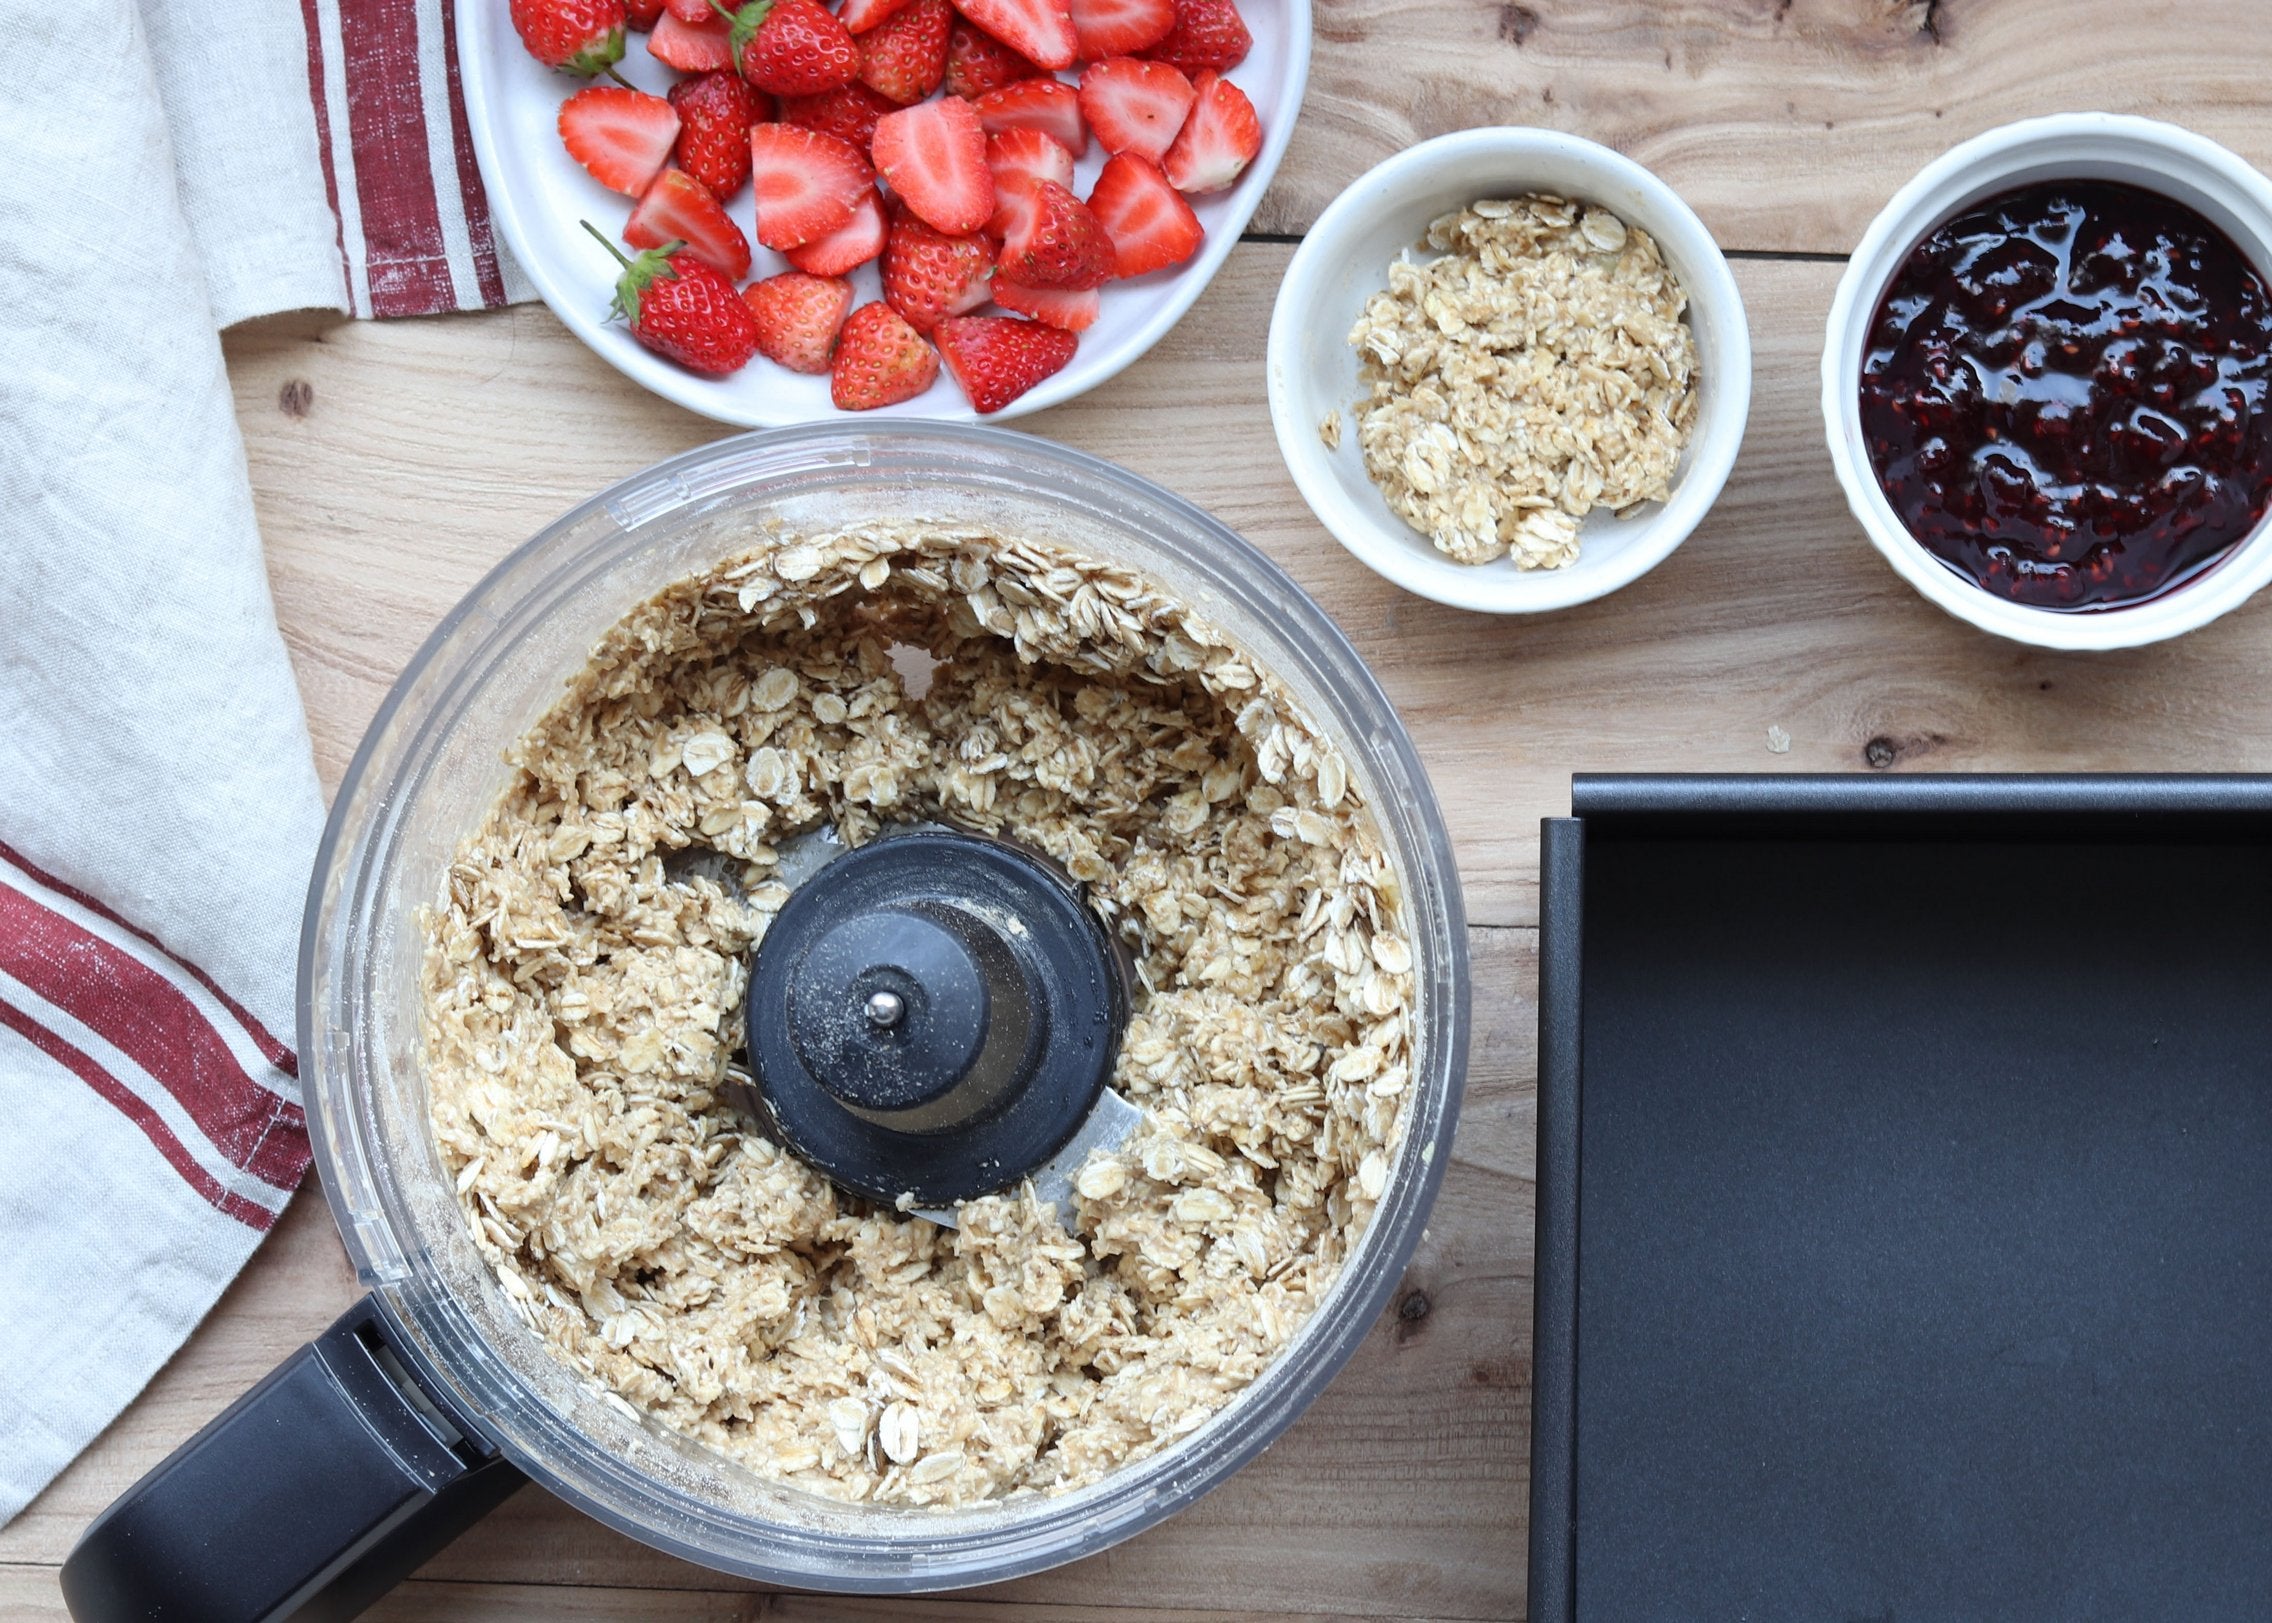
(158, 800)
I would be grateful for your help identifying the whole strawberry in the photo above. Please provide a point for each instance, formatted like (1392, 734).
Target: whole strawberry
(682, 309)
(792, 47)
(929, 275)
(880, 361)
(582, 37)
(1209, 35)
(905, 57)
(715, 111)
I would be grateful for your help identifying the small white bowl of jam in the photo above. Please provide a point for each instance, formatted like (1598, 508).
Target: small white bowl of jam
(2047, 381)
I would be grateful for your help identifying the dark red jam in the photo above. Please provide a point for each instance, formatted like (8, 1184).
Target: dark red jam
(2064, 395)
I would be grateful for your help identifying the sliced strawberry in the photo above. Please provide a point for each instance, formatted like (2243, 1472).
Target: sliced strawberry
(1038, 30)
(934, 156)
(622, 136)
(858, 16)
(849, 246)
(880, 361)
(978, 62)
(1207, 34)
(808, 183)
(1150, 224)
(1120, 27)
(929, 275)
(849, 113)
(1036, 104)
(1135, 106)
(1219, 139)
(906, 58)
(998, 358)
(1060, 307)
(679, 208)
(1050, 239)
(641, 14)
(1023, 155)
(798, 318)
(690, 11)
(701, 47)
(715, 112)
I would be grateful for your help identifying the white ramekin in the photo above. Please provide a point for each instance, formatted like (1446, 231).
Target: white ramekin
(2099, 146)
(1344, 261)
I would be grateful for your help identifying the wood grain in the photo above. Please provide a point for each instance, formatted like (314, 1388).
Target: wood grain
(1775, 613)
(1785, 123)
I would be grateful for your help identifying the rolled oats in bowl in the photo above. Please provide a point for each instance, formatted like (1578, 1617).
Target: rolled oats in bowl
(1536, 368)
(583, 988)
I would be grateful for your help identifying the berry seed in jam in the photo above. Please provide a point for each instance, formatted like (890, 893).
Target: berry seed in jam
(2064, 395)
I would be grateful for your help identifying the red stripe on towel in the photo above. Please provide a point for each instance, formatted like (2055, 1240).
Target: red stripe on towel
(147, 1018)
(275, 1052)
(403, 253)
(319, 100)
(471, 196)
(255, 1217)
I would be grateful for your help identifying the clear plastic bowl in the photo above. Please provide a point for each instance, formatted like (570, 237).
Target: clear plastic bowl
(432, 764)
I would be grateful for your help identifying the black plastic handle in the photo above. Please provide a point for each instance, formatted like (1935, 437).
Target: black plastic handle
(309, 1497)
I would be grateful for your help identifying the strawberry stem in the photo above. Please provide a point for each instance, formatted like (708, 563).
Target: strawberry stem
(620, 79)
(600, 237)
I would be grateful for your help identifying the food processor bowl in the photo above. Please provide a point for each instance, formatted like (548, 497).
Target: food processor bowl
(429, 770)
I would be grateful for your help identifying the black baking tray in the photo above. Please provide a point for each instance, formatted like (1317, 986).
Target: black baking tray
(1904, 1200)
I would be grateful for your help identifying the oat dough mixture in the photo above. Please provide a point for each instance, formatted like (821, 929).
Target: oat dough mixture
(1535, 370)
(584, 981)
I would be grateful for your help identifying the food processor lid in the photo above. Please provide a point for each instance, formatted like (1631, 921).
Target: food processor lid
(933, 1016)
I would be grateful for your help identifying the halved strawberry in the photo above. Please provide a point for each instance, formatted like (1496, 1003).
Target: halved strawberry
(880, 361)
(1038, 30)
(1023, 155)
(798, 318)
(808, 183)
(1060, 307)
(998, 358)
(848, 247)
(1120, 27)
(848, 112)
(715, 112)
(679, 208)
(907, 57)
(934, 156)
(622, 136)
(1207, 34)
(858, 16)
(929, 275)
(1219, 139)
(1050, 239)
(701, 47)
(978, 62)
(1135, 106)
(689, 11)
(641, 14)
(1150, 224)
(1036, 104)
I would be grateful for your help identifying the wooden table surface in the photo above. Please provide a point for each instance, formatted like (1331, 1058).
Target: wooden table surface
(393, 463)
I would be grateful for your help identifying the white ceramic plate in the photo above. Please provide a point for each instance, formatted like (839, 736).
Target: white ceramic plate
(537, 193)
(1344, 261)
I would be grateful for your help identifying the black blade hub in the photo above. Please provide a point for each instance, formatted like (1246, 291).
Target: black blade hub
(932, 1015)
